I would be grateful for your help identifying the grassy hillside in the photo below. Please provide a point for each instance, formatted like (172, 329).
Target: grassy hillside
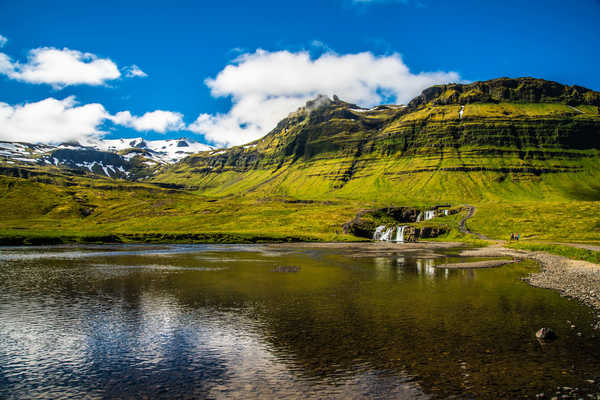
(524, 152)
(83, 209)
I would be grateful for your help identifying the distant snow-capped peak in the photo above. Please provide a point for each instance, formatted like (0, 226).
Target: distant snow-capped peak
(163, 151)
(114, 158)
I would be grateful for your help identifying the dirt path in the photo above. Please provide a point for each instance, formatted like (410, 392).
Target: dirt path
(462, 226)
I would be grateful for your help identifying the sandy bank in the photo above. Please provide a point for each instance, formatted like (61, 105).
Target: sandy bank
(475, 265)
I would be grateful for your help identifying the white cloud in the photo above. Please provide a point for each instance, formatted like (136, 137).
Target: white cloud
(51, 121)
(60, 68)
(5, 64)
(134, 71)
(3, 41)
(157, 121)
(266, 86)
(56, 121)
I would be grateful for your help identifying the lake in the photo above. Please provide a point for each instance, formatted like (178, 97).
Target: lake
(267, 321)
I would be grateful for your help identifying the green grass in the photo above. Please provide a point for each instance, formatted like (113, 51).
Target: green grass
(273, 212)
(573, 253)
(572, 221)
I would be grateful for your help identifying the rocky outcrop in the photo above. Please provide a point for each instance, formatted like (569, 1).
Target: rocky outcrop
(366, 222)
(414, 233)
(519, 90)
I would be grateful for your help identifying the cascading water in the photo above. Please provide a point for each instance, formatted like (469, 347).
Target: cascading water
(387, 235)
(378, 232)
(445, 212)
(419, 217)
(400, 233)
(429, 214)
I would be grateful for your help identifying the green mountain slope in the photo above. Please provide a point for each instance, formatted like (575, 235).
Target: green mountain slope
(515, 139)
(525, 152)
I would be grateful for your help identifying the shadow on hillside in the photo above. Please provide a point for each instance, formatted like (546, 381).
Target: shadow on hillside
(587, 193)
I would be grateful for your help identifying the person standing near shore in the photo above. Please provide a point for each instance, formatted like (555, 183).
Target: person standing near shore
(512, 236)
(517, 236)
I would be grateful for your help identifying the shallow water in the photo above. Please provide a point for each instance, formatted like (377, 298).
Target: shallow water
(209, 321)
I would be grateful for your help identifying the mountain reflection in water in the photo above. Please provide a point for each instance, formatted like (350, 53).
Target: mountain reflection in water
(217, 321)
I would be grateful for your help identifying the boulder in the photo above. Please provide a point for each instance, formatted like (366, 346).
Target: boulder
(546, 334)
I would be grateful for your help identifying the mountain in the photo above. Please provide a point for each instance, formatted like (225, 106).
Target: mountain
(116, 158)
(515, 154)
(161, 151)
(504, 138)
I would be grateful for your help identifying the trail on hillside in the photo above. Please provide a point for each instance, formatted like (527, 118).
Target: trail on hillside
(462, 226)
(577, 109)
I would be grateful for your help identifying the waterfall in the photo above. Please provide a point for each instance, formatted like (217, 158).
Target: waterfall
(419, 217)
(384, 234)
(387, 235)
(461, 112)
(378, 232)
(445, 212)
(429, 214)
(400, 233)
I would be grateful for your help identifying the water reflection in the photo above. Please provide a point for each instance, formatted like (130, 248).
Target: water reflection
(425, 267)
(212, 322)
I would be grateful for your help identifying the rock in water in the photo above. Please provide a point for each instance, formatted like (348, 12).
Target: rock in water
(546, 334)
(286, 268)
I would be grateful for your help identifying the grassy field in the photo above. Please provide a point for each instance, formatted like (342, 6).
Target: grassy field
(83, 209)
(566, 221)
(96, 208)
(561, 250)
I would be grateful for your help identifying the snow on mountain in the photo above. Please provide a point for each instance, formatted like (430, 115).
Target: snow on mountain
(163, 151)
(121, 158)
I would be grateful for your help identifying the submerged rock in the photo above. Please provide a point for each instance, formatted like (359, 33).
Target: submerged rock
(546, 334)
(286, 268)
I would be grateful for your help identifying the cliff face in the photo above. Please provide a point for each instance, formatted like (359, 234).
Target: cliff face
(517, 127)
(521, 90)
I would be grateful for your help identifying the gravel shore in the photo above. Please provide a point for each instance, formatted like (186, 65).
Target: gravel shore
(475, 265)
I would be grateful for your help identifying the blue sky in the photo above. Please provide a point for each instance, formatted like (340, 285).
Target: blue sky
(267, 57)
